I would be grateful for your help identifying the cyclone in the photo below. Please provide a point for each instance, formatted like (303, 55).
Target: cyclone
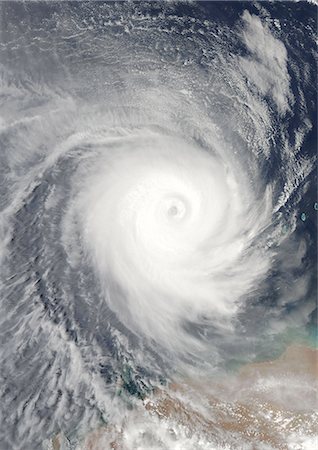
(158, 209)
(152, 220)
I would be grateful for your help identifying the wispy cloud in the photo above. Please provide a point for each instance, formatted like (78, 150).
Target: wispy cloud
(266, 64)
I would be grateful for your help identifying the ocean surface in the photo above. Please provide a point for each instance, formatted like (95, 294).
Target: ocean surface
(158, 225)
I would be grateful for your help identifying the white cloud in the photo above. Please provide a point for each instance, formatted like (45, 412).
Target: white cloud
(266, 64)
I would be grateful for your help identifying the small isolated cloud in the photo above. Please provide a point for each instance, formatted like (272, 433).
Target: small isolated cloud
(266, 64)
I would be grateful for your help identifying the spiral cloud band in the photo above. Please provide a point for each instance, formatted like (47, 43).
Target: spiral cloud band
(156, 169)
(152, 218)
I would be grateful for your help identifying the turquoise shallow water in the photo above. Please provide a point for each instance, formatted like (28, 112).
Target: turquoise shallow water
(112, 116)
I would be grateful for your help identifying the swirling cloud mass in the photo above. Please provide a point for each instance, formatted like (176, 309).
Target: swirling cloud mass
(171, 227)
(155, 159)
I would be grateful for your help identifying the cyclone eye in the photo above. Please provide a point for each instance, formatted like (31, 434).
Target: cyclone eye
(158, 201)
(173, 210)
(176, 209)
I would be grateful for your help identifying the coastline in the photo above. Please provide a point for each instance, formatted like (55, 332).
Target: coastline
(271, 403)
